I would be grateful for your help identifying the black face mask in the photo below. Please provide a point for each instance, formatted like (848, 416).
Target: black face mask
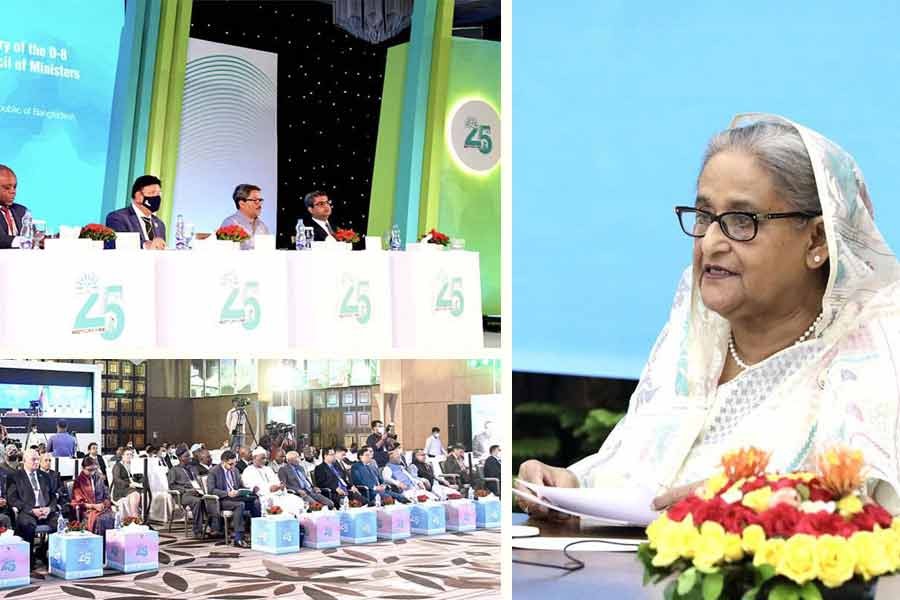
(152, 202)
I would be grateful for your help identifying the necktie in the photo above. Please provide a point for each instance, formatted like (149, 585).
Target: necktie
(10, 222)
(303, 483)
(328, 228)
(148, 228)
(38, 494)
(229, 480)
(337, 474)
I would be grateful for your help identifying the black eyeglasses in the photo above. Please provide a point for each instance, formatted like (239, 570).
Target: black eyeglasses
(326, 203)
(257, 200)
(739, 226)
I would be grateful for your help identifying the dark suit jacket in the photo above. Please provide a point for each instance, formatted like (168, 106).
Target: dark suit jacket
(121, 483)
(240, 465)
(179, 479)
(18, 211)
(288, 476)
(102, 464)
(319, 233)
(126, 221)
(326, 479)
(21, 496)
(363, 475)
(492, 469)
(216, 483)
(451, 467)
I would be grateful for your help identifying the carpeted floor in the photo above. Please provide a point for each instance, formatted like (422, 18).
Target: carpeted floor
(453, 565)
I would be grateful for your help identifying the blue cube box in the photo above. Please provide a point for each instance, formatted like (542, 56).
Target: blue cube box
(359, 526)
(487, 513)
(15, 561)
(276, 534)
(76, 555)
(427, 519)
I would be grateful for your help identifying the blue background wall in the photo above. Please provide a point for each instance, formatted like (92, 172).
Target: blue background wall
(613, 103)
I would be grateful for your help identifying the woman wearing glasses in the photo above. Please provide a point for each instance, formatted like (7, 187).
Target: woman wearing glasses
(784, 333)
(90, 498)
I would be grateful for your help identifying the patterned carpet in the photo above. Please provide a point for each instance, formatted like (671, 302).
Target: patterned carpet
(453, 565)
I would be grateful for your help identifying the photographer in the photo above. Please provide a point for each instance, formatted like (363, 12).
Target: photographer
(236, 421)
(378, 441)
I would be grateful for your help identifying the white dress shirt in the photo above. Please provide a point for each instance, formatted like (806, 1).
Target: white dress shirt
(325, 225)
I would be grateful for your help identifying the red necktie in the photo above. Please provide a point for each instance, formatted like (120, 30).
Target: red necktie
(10, 224)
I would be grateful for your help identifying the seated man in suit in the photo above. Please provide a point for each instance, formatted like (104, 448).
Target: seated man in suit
(272, 490)
(201, 462)
(139, 216)
(492, 469)
(243, 460)
(10, 213)
(396, 474)
(94, 452)
(31, 493)
(331, 476)
(319, 207)
(367, 477)
(295, 479)
(184, 480)
(62, 492)
(7, 517)
(456, 465)
(224, 481)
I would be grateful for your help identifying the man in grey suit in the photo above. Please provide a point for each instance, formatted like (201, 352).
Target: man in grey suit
(293, 476)
(139, 216)
(10, 213)
(224, 481)
(183, 480)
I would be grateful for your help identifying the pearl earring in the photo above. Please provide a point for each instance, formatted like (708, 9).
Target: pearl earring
(817, 258)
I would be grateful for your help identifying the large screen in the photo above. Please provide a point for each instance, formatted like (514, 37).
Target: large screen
(613, 103)
(57, 73)
(41, 394)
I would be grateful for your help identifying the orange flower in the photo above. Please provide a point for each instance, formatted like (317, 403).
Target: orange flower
(840, 470)
(745, 463)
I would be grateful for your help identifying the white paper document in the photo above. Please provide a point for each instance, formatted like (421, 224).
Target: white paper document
(623, 505)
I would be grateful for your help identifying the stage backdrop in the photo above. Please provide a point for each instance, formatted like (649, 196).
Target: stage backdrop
(57, 73)
(489, 418)
(228, 132)
(611, 120)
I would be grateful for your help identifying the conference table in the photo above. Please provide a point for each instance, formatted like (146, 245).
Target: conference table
(89, 301)
(606, 575)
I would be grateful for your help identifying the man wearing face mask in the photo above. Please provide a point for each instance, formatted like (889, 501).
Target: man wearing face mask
(140, 216)
(378, 441)
(10, 461)
(433, 445)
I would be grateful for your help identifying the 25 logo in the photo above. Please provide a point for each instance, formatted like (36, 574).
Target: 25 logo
(479, 137)
(241, 305)
(356, 303)
(450, 297)
(110, 319)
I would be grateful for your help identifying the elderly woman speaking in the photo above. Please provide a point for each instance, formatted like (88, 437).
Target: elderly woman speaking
(784, 334)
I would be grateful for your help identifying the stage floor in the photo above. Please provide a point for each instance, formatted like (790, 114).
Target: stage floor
(453, 565)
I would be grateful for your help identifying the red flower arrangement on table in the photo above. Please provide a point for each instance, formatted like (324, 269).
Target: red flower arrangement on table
(752, 535)
(74, 527)
(274, 510)
(454, 496)
(98, 232)
(437, 238)
(482, 494)
(131, 521)
(315, 506)
(422, 498)
(388, 501)
(357, 504)
(233, 233)
(346, 235)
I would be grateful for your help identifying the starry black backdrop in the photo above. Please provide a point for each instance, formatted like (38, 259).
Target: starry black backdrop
(329, 100)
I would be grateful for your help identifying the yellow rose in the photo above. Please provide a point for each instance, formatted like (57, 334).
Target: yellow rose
(769, 552)
(752, 538)
(674, 540)
(890, 544)
(656, 528)
(798, 559)
(710, 548)
(733, 550)
(836, 559)
(871, 560)
(758, 500)
(849, 506)
(713, 485)
(895, 525)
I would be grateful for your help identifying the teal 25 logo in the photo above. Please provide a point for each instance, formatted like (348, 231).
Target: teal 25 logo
(479, 136)
(101, 310)
(241, 305)
(450, 296)
(355, 303)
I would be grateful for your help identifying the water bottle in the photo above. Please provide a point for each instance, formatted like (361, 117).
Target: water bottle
(471, 493)
(303, 506)
(309, 234)
(60, 525)
(180, 242)
(377, 500)
(27, 232)
(345, 504)
(300, 232)
(118, 523)
(395, 237)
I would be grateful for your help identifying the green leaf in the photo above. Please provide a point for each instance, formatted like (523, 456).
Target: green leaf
(750, 594)
(712, 586)
(803, 490)
(810, 592)
(686, 581)
(785, 591)
(764, 573)
(669, 591)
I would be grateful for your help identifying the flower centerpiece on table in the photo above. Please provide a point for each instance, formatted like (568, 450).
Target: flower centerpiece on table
(315, 506)
(74, 527)
(748, 534)
(436, 237)
(232, 233)
(131, 521)
(388, 501)
(357, 504)
(97, 232)
(274, 510)
(422, 498)
(482, 494)
(454, 496)
(346, 235)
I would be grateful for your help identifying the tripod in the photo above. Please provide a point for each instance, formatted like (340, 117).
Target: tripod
(238, 434)
(32, 429)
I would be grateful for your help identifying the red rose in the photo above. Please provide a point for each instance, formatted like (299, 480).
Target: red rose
(784, 482)
(817, 493)
(753, 484)
(822, 523)
(711, 510)
(780, 520)
(871, 515)
(680, 509)
(738, 517)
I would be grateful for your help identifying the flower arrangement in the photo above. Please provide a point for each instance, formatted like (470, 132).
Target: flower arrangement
(454, 496)
(74, 527)
(315, 506)
(346, 235)
(482, 494)
(748, 534)
(131, 521)
(422, 498)
(274, 510)
(98, 232)
(233, 233)
(357, 504)
(388, 501)
(437, 238)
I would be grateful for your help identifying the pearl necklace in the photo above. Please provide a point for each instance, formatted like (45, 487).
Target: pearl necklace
(744, 366)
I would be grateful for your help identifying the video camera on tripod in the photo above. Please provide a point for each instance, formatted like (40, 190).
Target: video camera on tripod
(240, 402)
(35, 409)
